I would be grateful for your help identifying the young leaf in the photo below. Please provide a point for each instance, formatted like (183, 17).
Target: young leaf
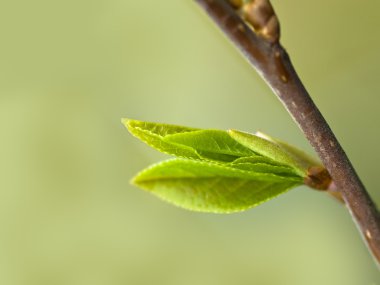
(153, 134)
(222, 171)
(191, 143)
(260, 165)
(304, 160)
(269, 149)
(211, 187)
(211, 144)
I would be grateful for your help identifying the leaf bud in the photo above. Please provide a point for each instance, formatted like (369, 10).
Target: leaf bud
(260, 14)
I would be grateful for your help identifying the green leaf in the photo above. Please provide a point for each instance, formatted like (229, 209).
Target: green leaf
(304, 160)
(211, 144)
(270, 150)
(259, 153)
(186, 142)
(263, 165)
(211, 187)
(153, 134)
(220, 171)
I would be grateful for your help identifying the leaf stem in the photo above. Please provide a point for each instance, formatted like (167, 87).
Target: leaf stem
(272, 62)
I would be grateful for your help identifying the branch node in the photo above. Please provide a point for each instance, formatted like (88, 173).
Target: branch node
(318, 178)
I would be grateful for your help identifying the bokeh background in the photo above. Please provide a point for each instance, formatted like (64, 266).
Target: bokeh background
(70, 70)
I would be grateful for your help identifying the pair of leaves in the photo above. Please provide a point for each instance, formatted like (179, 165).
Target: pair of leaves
(217, 171)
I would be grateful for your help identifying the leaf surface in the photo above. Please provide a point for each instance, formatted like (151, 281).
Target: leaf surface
(264, 167)
(268, 149)
(153, 134)
(303, 159)
(215, 145)
(218, 171)
(210, 187)
(211, 144)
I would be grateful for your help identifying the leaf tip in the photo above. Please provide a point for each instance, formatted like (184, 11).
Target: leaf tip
(137, 181)
(126, 122)
(237, 134)
(134, 181)
(131, 125)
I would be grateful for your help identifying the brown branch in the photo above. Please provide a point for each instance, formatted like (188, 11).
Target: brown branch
(272, 62)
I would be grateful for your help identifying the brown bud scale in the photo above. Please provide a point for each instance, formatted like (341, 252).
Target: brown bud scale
(236, 3)
(318, 178)
(260, 14)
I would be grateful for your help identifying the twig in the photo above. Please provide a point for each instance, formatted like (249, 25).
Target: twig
(264, 52)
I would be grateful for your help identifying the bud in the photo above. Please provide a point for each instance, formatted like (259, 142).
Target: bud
(260, 14)
(236, 3)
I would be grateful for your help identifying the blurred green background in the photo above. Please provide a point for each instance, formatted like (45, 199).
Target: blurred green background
(69, 70)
